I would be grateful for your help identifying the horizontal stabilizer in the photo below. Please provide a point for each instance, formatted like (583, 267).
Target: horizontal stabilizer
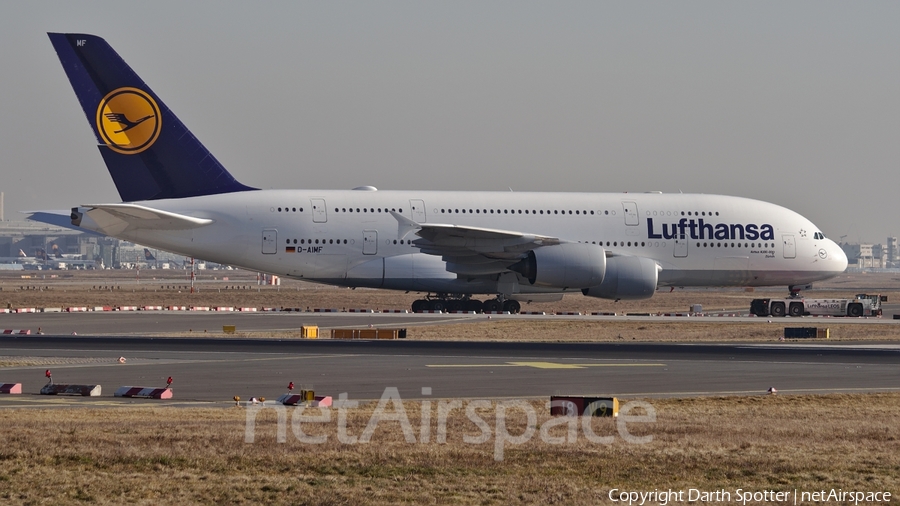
(112, 219)
(57, 218)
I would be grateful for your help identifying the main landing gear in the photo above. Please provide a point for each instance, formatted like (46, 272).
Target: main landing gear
(443, 303)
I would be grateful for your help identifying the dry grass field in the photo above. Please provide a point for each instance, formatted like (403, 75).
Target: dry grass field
(185, 456)
(147, 455)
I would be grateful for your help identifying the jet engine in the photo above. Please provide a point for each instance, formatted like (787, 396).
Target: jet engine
(626, 278)
(570, 265)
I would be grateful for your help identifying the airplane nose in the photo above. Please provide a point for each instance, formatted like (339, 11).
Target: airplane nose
(838, 257)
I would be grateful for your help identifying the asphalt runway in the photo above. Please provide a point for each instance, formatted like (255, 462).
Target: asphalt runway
(155, 322)
(215, 370)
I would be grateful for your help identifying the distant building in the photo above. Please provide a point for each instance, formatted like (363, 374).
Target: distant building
(852, 252)
(36, 245)
(33, 237)
(879, 256)
(893, 252)
(865, 259)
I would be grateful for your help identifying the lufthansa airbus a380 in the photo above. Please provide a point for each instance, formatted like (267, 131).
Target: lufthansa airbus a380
(511, 246)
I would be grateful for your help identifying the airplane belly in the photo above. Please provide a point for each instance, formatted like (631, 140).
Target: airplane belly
(322, 267)
(414, 271)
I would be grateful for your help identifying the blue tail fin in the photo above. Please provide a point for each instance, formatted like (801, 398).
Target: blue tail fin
(150, 154)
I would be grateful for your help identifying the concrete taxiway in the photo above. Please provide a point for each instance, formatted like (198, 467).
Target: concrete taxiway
(215, 370)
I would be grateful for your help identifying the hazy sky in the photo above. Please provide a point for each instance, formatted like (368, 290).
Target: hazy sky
(796, 103)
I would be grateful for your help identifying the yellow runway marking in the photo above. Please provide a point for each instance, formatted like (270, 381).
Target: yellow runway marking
(545, 365)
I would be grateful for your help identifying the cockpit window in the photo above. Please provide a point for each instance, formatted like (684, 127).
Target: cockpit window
(819, 235)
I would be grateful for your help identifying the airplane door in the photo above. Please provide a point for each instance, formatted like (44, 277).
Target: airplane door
(681, 247)
(631, 213)
(417, 210)
(269, 241)
(790, 248)
(370, 242)
(318, 209)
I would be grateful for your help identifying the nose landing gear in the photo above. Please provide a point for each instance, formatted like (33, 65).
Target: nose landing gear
(795, 290)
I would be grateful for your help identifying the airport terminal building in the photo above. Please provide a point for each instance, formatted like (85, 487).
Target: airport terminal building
(31, 245)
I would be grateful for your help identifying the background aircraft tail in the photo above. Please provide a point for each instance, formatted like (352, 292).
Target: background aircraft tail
(148, 256)
(150, 154)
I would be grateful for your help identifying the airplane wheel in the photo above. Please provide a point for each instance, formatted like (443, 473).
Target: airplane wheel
(512, 306)
(455, 305)
(778, 309)
(492, 305)
(796, 309)
(438, 305)
(419, 305)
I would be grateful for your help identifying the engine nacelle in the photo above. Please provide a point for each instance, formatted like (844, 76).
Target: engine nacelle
(570, 265)
(626, 278)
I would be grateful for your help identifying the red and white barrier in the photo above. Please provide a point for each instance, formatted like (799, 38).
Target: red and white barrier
(26, 310)
(328, 310)
(294, 399)
(360, 311)
(498, 312)
(403, 311)
(4, 310)
(199, 308)
(24, 332)
(82, 390)
(80, 309)
(144, 392)
(10, 388)
(103, 308)
(247, 309)
(603, 313)
(126, 308)
(224, 309)
(433, 311)
(533, 312)
(177, 308)
(151, 308)
(568, 313)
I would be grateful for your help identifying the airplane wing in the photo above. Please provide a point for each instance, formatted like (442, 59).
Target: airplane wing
(112, 219)
(472, 250)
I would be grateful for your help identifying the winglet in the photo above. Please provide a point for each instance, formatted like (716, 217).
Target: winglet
(405, 226)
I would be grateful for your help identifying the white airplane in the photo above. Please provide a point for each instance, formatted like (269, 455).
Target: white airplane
(24, 259)
(453, 245)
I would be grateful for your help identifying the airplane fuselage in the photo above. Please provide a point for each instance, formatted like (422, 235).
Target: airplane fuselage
(350, 237)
